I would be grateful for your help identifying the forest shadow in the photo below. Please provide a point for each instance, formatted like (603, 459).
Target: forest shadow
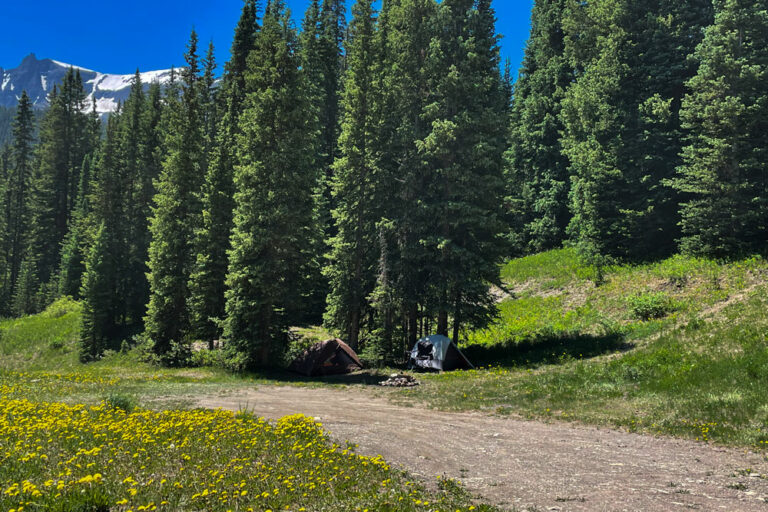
(551, 349)
(367, 377)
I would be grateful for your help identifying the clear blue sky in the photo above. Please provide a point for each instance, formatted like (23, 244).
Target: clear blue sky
(118, 37)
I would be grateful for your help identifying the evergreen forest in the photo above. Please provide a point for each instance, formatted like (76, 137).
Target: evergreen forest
(371, 174)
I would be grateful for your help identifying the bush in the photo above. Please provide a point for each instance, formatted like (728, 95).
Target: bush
(651, 305)
(56, 344)
(61, 307)
(207, 358)
(120, 401)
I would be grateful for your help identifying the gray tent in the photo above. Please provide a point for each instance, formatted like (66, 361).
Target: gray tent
(438, 352)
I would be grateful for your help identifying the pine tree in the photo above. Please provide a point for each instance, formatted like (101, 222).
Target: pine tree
(406, 27)
(175, 216)
(99, 297)
(352, 270)
(330, 43)
(726, 114)
(47, 190)
(208, 99)
(25, 294)
(140, 162)
(212, 240)
(72, 262)
(273, 202)
(18, 190)
(323, 61)
(149, 168)
(67, 135)
(463, 152)
(631, 59)
(78, 240)
(537, 170)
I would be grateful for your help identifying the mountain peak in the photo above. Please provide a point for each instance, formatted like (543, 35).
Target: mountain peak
(39, 76)
(31, 58)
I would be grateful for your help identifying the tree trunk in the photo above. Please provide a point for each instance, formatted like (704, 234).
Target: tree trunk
(457, 318)
(413, 326)
(442, 322)
(354, 329)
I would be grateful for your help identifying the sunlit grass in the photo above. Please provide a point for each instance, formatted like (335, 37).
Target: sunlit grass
(65, 458)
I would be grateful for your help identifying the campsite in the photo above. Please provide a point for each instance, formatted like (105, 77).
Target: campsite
(384, 256)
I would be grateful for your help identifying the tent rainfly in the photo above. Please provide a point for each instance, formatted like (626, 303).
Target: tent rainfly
(438, 352)
(330, 357)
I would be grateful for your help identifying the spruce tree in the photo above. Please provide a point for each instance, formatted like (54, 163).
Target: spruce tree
(407, 31)
(149, 168)
(24, 300)
(212, 240)
(67, 135)
(77, 242)
(48, 191)
(463, 152)
(722, 175)
(622, 133)
(323, 61)
(208, 99)
(330, 43)
(72, 262)
(357, 194)
(99, 297)
(537, 171)
(176, 215)
(18, 190)
(273, 199)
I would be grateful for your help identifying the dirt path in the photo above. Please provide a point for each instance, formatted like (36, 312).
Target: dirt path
(527, 465)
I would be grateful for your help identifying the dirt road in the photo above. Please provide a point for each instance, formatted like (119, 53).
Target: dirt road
(527, 465)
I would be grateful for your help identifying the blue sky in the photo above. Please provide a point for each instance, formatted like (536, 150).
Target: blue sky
(118, 37)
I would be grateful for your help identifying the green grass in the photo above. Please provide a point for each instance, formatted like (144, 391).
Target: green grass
(676, 347)
(704, 380)
(41, 341)
(74, 458)
(117, 435)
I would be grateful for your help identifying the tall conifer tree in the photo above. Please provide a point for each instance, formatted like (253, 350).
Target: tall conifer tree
(99, 297)
(18, 190)
(67, 134)
(723, 174)
(273, 199)
(207, 285)
(407, 26)
(622, 108)
(356, 191)
(537, 170)
(175, 215)
(464, 154)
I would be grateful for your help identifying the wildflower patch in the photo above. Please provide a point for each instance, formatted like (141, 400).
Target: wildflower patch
(55, 456)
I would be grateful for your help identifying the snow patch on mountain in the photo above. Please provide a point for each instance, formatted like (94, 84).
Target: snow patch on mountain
(38, 77)
(65, 65)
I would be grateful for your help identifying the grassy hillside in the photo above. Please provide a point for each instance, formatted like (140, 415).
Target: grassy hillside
(677, 347)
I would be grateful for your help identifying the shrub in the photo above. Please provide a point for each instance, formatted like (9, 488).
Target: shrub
(56, 344)
(61, 307)
(120, 401)
(207, 358)
(651, 305)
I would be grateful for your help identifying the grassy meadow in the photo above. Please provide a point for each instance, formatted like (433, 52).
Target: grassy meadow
(118, 435)
(677, 347)
(674, 348)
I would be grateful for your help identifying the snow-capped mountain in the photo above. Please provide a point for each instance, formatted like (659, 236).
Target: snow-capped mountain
(38, 77)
